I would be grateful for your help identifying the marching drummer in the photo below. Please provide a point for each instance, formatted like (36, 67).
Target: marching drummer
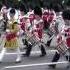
(37, 30)
(24, 23)
(54, 27)
(4, 11)
(49, 17)
(66, 30)
(61, 37)
(30, 13)
(11, 39)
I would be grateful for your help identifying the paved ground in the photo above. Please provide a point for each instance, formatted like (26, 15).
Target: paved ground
(34, 62)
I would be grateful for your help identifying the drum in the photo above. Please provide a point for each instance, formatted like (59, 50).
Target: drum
(61, 45)
(31, 38)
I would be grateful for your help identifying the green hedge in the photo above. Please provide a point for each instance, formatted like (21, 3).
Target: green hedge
(15, 3)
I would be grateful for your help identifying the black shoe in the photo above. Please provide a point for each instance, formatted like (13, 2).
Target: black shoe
(68, 58)
(17, 61)
(43, 52)
(52, 66)
(25, 48)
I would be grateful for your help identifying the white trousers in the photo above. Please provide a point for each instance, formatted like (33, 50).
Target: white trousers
(4, 51)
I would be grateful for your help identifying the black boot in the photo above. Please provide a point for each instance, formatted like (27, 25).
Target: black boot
(68, 58)
(28, 50)
(55, 59)
(42, 51)
(25, 42)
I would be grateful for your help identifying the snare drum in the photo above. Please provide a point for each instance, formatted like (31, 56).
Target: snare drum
(32, 39)
(61, 45)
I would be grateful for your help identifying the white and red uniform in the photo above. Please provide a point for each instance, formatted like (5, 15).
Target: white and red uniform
(66, 32)
(38, 29)
(52, 16)
(45, 15)
(31, 16)
(24, 22)
(63, 39)
(21, 22)
(48, 15)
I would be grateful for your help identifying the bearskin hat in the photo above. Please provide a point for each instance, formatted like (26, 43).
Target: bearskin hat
(66, 14)
(38, 11)
(30, 6)
(22, 7)
(57, 7)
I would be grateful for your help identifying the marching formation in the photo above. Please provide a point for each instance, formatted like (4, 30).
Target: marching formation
(31, 27)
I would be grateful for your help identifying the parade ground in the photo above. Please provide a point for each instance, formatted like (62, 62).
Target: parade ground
(34, 61)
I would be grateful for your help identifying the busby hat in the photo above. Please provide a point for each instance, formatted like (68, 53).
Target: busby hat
(57, 7)
(38, 11)
(22, 7)
(30, 6)
(66, 14)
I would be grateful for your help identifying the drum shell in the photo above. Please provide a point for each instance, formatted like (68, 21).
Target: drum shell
(61, 45)
(62, 48)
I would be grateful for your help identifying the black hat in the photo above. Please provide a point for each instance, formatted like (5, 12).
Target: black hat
(12, 11)
(38, 11)
(30, 6)
(57, 7)
(66, 14)
(22, 7)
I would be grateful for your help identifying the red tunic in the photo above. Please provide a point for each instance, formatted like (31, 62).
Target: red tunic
(45, 16)
(67, 32)
(51, 16)
(22, 24)
(31, 17)
(38, 31)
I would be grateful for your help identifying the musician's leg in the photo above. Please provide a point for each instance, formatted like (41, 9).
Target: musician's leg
(55, 59)
(68, 56)
(2, 54)
(50, 34)
(43, 51)
(28, 50)
(5, 26)
(18, 55)
(25, 42)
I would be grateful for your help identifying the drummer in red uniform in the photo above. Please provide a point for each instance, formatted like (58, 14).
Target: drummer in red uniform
(37, 29)
(66, 30)
(65, 36)
(23, 20)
